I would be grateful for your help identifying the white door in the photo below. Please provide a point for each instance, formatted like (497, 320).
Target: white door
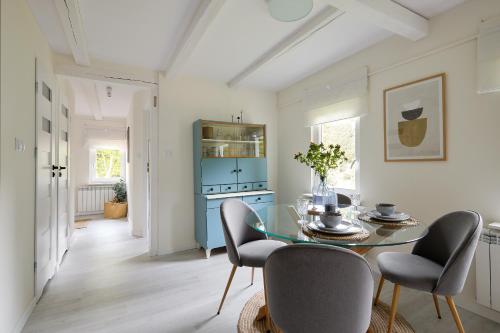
(45, 181)
(63, 183)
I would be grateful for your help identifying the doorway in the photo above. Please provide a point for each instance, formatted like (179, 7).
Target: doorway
(93, 137)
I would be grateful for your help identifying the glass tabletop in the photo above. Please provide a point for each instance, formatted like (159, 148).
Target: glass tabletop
(278, 221)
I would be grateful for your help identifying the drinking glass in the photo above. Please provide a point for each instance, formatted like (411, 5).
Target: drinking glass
(302, 207)
(355, 200)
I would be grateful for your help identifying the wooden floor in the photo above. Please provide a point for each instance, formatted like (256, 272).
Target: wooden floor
(108, 283)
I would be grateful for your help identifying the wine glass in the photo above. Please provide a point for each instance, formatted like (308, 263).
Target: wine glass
(302, 208)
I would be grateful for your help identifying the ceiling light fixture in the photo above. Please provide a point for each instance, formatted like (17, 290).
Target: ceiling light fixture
(289, 10)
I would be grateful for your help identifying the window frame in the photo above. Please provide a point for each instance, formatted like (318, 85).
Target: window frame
(316, 135)
(92, 166)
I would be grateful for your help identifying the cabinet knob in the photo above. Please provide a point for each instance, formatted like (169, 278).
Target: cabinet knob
(211, 189)
(245, 186)
(239, 170)
(234, 171)
(260, 185)
(229, 188)
(258, 199)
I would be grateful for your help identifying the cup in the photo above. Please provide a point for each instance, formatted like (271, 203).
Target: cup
(331, 220)
(386, 209)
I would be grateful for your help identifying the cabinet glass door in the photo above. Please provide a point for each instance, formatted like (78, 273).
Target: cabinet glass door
(229, 140)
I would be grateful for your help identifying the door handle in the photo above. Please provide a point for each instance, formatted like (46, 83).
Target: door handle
(54, 167)
(62, 168)
(60, 174)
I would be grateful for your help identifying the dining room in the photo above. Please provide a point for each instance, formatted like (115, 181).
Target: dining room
(326, 166)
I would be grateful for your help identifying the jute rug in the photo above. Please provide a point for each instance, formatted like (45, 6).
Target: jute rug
(380, 317)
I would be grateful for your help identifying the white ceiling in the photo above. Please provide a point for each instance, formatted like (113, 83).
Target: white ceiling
(146, 33)
(116, 106)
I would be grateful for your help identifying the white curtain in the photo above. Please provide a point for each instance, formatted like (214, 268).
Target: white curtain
(344, 96)
(488, 57)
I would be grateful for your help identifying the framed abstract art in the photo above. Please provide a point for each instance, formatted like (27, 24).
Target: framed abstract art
(415, 120)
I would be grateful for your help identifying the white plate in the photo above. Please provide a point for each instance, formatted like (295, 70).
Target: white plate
(345, 228)
(396, 217)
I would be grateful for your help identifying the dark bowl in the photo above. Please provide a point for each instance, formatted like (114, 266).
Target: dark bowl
(412, 114)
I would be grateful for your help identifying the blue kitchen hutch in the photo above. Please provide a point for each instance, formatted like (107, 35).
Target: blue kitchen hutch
(229, 162)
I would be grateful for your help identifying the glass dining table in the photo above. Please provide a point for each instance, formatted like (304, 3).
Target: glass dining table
(281, 221)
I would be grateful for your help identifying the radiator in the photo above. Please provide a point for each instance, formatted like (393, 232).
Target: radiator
(91, 198)
(488, 269)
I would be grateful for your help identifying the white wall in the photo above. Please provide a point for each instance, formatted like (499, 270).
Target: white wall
(136, 168)
(468, 180)
(21, 42)
(182, 102)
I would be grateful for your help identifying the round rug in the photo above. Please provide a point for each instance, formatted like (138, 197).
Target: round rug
(380, 318)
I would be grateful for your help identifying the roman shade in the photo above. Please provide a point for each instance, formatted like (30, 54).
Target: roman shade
(488, 57)
(344, 96)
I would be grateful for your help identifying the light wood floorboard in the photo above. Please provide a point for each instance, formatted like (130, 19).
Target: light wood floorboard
(108, 283)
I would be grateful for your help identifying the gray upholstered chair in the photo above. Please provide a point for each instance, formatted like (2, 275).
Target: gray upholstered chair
(343, 199)
(245, 246)
(438, 264)
(318, 288)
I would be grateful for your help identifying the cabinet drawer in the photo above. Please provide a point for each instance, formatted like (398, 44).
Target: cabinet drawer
(245, 187)
(254, 199)
(228, 188)
(210, 189)
(260, 186)
(215, 203)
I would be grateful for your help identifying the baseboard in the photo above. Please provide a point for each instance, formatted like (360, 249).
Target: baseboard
(479, 310)
(176, 250)
(24, 318)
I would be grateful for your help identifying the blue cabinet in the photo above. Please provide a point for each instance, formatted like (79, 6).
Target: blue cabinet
(229, 161)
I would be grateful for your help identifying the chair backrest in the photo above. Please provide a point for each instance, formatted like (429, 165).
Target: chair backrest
(343, 199)
(233, 214)
(451, 242)
(316, 288)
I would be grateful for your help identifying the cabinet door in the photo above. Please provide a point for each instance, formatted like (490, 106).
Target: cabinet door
(215, 235)
(252, 170)
(218, 171)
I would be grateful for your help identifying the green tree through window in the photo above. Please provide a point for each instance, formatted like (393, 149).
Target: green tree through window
(108, 163)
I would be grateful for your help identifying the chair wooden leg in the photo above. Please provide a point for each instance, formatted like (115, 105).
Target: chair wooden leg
(379, 290)
(231, 275)
(436, 304)
(253, 270)
(268, 325)
(394, 307)
(454, 312)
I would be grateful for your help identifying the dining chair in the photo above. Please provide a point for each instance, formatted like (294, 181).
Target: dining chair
(245, 246)
(438, 264)
(318, 288)
(343, 199)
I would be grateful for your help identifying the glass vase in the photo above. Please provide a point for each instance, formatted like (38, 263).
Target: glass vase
(323, 193)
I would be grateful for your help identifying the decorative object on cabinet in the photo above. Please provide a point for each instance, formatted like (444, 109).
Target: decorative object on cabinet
(414, 121)
(229, 162)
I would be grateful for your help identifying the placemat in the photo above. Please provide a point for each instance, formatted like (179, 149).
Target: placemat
(406, 223)
(360, 236)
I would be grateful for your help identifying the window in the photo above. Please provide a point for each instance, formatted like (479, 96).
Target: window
(107, 164)
(345, 133)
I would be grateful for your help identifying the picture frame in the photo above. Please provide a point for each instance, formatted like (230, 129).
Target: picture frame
(415, 120)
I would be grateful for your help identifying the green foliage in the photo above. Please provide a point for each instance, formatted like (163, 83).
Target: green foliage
(322, 158)
(108, 163)
(120, 189)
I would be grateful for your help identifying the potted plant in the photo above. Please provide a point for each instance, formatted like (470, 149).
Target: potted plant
(321, 159)
(117, 208)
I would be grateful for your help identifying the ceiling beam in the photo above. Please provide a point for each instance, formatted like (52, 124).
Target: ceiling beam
(105, 71)
(89, 90)
(201, 20)
(388, 15)
(319, 21)
(71, 20)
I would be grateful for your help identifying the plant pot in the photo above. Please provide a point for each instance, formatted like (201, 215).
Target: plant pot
(115, 210)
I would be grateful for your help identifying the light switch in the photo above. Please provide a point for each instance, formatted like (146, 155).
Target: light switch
(19, 145)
